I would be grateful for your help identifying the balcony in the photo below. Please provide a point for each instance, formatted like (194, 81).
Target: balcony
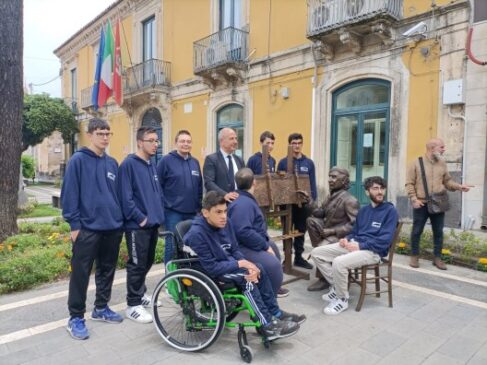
(221, 58)
(334, 23)
(86, 103)
(145, 82)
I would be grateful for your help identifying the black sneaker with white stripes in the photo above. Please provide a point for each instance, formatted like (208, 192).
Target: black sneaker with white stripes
(286, 316)
(279, 329)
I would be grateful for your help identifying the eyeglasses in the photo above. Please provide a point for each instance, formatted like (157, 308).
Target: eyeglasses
(153, 141)
(104, 134)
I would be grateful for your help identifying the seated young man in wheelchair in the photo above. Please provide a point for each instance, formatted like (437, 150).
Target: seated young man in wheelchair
(212, 238)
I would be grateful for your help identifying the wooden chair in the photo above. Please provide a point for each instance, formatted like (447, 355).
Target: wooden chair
(359, 275)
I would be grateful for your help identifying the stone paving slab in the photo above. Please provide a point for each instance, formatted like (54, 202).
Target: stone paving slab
(419, 329)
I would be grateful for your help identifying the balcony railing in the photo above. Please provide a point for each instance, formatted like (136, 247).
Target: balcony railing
(229, 45)
(86, 97)
(324, 16)
(149, 74)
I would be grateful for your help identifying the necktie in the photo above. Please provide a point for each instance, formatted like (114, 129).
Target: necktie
(231, 173)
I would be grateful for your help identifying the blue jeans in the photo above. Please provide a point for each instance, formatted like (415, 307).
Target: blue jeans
(171, 219)
(420, 216)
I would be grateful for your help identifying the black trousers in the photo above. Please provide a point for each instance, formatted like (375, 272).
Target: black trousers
(299, 221)
(90, 246)
(420, 216)
(141, 247)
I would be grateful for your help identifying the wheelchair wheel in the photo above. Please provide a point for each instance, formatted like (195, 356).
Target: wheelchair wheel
(246, 354)
(192, 314)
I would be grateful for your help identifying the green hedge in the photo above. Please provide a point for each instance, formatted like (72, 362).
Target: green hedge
(41, 253)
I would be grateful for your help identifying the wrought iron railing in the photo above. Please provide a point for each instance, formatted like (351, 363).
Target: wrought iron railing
(325, 15)
(148, 74)
(229, 45)
(86, 97)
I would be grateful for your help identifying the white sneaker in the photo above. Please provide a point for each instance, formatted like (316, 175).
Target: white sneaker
(330, 296)
(138, 314)
(147, 301)
(336, 307)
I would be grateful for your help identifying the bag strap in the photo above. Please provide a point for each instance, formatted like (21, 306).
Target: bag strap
(423, 174)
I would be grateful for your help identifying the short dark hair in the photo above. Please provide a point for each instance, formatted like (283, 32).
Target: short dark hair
(370, 181)
(97, 123)
(244, 178)
(294, 136)
(182, 131)
(212, 199)
(265, 135)
(142, 131)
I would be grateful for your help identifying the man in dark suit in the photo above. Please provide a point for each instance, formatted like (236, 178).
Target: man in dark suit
(220, 167)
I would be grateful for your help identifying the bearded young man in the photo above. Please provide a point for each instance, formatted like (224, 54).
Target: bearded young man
(369, 240)
(437, 180)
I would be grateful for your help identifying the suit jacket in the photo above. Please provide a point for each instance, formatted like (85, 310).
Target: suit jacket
(215, 173)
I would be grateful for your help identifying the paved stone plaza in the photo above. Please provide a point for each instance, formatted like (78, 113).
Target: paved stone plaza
(438, 318)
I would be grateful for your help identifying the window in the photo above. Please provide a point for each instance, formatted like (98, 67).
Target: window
(148, 39)
(231, 116)
(74, 90)
(230, 13)
(480, 10)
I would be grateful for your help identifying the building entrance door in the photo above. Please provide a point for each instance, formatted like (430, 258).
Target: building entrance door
(360, 132)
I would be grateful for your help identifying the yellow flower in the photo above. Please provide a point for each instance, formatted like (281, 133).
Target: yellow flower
(445, 251)
(9, 247)
(69, 268)
(60, 254)
(401, 245)
(483, 260)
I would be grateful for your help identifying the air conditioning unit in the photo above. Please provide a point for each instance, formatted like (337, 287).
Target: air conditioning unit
(321, 16)
(216, 52)
(354, 7)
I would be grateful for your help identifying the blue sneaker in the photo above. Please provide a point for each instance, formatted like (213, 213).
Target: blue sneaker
(106, 314)
(77, 329)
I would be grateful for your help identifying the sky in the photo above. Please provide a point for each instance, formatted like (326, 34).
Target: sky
(47, 25)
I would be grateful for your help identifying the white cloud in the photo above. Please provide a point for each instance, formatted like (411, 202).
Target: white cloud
(48, 24)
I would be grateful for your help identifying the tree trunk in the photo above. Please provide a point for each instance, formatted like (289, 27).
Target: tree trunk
(11, 102)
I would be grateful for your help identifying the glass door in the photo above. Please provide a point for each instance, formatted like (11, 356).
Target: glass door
(360, 130)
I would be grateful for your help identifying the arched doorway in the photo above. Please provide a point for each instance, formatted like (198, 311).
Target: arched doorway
(360, 131)
(231, 116)
(152, 118)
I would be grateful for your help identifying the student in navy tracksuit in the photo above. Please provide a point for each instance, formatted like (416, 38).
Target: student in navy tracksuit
(142, 205)
(91, 207)
(182, 186)
(369, 240)
(303, 166)
(255, 162)
(251, 231)
(212, 238)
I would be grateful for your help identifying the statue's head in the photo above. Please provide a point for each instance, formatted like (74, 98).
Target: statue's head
(338, 179)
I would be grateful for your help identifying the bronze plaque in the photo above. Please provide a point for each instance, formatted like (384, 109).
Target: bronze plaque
(282, 189)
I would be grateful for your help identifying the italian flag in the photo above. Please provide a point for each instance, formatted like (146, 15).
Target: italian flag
(105, 86)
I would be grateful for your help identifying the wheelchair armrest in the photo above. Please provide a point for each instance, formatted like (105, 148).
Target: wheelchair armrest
(164, 234)
(183, 261)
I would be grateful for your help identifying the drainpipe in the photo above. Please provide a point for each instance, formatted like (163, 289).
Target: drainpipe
(464, 159)
(313, 101)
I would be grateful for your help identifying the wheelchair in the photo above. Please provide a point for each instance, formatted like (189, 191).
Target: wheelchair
(194, 309)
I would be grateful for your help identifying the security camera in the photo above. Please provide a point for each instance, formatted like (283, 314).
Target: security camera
(419, 29)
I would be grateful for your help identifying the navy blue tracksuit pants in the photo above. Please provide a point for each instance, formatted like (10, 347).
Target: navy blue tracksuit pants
(260, 295)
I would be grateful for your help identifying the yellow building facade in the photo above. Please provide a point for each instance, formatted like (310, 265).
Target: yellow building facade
(362, 80)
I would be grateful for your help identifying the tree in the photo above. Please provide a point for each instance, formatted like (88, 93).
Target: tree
(43, 115)
(11, 91)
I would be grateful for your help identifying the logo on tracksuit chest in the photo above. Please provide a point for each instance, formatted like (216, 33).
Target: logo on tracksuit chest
(376, 224)
(303, 169)
(111, 175)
